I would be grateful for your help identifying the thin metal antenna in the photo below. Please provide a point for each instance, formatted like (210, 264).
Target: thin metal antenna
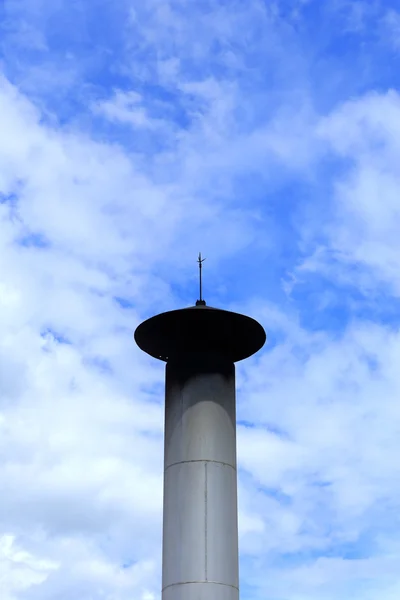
(200, 261)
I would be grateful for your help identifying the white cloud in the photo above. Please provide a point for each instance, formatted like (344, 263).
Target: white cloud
(81, 445)
(366, 213)
(80, 430)
(19, 569)
(336, 405)
(127, 107)
(391, 28)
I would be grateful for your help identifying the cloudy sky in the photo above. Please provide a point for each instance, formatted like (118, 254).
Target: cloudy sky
(133, 134)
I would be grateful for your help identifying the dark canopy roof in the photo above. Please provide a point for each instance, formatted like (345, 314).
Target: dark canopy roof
(200, 329)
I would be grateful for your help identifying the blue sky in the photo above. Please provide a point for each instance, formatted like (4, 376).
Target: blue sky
(133, 135)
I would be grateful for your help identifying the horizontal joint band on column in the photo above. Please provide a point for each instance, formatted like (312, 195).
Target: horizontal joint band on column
(182, 462)
(235, 587)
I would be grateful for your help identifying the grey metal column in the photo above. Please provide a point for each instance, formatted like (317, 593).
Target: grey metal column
(200, 537)
(200, 531)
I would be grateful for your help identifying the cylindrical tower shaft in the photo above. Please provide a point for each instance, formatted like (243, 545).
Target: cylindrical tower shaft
(200, 533)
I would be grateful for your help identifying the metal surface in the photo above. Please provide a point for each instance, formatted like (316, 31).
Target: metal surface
(200, 534)
(200, 329)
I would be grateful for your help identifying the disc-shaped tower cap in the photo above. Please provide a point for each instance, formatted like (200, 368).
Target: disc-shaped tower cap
(200, 329)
